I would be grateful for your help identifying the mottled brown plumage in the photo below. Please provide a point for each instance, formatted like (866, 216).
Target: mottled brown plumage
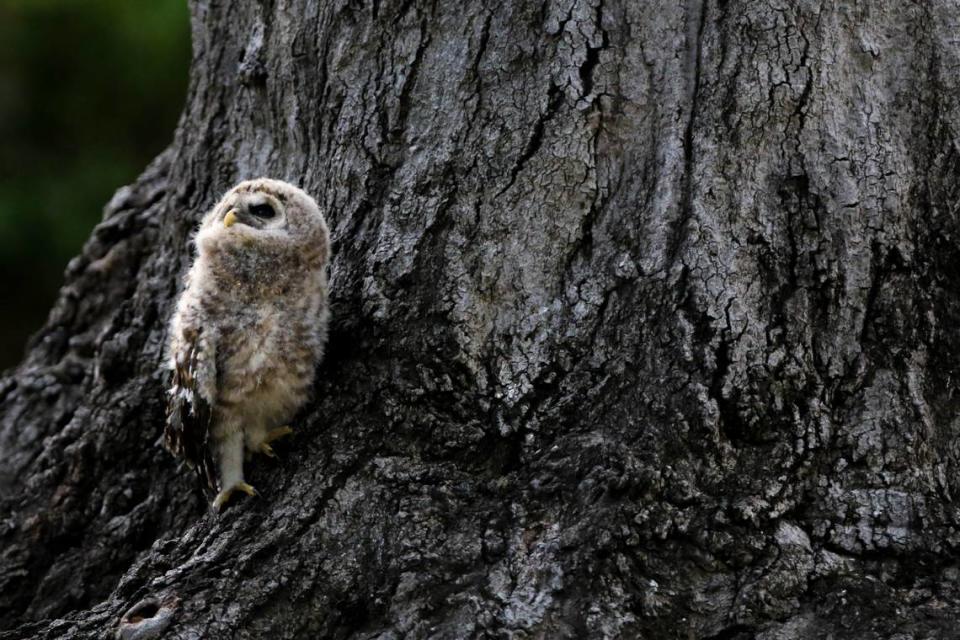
(189, 415)
(248, 330)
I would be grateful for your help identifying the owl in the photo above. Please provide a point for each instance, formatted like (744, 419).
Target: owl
(247, 331)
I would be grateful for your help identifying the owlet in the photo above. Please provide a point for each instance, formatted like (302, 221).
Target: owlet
(248, 330)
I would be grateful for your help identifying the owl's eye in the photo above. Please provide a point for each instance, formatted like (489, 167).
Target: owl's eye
(263, 211)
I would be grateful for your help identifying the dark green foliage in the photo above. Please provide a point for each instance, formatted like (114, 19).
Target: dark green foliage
(89, 93)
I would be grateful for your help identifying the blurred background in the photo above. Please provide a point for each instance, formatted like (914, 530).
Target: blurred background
(90, 92)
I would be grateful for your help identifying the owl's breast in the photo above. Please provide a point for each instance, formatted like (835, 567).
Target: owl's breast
(266, 369)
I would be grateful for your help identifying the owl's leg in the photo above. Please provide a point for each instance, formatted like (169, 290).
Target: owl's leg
(230, 460)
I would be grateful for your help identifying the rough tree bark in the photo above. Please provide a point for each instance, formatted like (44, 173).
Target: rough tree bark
(645, 325)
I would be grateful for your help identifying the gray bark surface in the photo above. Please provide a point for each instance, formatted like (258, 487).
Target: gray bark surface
(644, 326)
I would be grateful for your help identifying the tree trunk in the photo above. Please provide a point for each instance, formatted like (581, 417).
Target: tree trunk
(644, 327)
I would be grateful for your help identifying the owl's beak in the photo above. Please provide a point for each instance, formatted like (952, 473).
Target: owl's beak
(230, 219)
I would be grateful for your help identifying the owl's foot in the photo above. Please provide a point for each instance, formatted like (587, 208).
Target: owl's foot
(267, 450)
(256, 445)
(224, 496)
(279, 432)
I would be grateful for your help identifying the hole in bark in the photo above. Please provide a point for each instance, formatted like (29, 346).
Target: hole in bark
(141, 611)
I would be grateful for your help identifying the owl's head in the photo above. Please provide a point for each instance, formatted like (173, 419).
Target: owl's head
(265, 217)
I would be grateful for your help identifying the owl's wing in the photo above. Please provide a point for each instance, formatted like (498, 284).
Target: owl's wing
(190, 404)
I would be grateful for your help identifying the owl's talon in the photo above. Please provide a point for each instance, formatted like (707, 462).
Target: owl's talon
(279, 432)
(267, 450)
(224, 496)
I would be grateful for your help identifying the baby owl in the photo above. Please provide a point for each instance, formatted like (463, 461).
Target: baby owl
(248, 330)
